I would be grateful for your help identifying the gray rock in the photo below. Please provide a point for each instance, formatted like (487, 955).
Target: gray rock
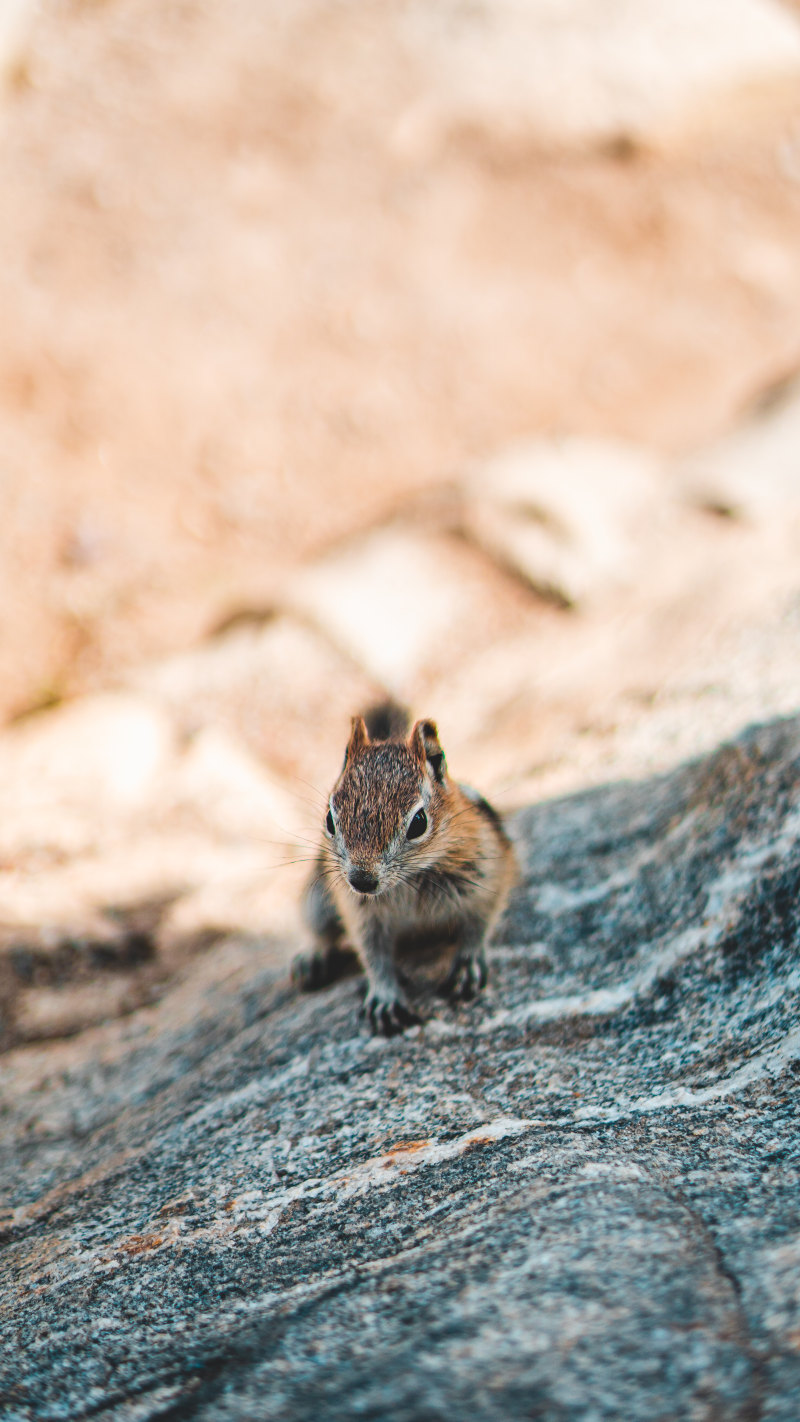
(576, 1198)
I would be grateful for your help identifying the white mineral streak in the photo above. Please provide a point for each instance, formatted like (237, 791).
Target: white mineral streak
(262, 1211)
(724, 895)
(379, 1170)
(769, 1063)
(564, 898)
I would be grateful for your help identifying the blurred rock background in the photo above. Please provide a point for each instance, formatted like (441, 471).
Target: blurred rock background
(446, 349)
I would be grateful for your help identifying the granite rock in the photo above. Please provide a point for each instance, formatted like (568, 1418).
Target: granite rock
(576, 1198)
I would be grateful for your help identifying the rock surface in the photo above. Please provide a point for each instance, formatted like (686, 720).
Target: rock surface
(753, 471)
(576, 1198)
(572, 72)
(570, 516)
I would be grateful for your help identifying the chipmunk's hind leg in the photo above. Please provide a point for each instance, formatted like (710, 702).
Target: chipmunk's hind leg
(324, 965)
(329, 958)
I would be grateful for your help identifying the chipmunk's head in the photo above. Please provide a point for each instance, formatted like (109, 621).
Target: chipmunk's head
(386, 807)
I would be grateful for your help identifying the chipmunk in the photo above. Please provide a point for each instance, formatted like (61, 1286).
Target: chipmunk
(409, 860)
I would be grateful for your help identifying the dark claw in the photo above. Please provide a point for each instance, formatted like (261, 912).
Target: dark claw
(467, 977)
(387, 1019)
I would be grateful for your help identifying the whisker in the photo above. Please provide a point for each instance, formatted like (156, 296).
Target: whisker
(292, 838)
(322, 794)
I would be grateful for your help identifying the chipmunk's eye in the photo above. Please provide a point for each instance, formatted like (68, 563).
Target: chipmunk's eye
(329, 825)
(418, 825)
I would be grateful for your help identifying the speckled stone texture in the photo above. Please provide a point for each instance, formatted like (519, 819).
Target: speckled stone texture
(577, 1198)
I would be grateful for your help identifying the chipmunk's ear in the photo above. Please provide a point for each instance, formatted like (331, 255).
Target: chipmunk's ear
(424, 744)
(359, 738)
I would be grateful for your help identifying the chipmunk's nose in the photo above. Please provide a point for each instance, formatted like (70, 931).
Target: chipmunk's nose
(363, 882)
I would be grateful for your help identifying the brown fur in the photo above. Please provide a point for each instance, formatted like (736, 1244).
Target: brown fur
(388, 895)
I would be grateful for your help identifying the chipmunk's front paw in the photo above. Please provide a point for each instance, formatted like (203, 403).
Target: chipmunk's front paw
(387, 1016)
(467, 977)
